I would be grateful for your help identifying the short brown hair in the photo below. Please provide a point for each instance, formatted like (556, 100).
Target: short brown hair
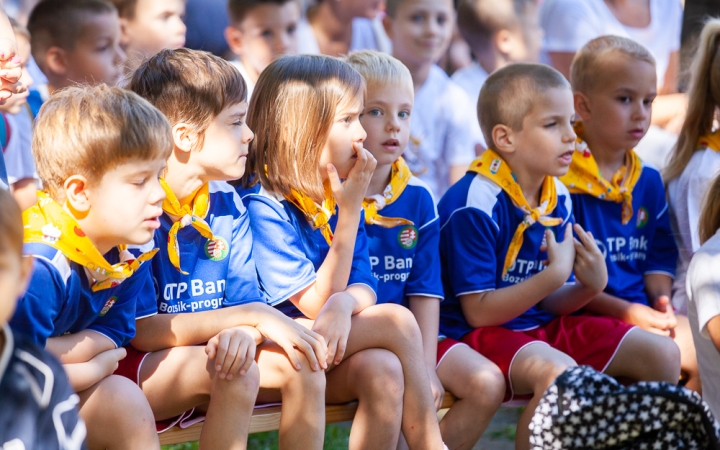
(239, 9)
(11, 225)
(291, 112)
(92, 129)
(59, 23)
(126, 8)
(379, 68)
(189, 86)
(586, 69)
(509, 93)
(479, 20)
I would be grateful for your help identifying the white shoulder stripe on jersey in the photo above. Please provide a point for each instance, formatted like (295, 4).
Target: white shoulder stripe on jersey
(436, 218)
(225, 187)
(482, 195)
(415, 181)
(561, 189)
(662, 211)
(60, 263)
(42, 395)
(7, 349)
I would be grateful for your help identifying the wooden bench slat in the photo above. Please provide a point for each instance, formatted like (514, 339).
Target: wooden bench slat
(268, 419)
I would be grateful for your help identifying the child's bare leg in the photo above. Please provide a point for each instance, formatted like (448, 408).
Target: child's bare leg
(118, 416)
(375, 378)
(394, 328)
(688, 357)
(479, 386)
(535, 368)
(302, 422)
(177, 379)
(645, 356)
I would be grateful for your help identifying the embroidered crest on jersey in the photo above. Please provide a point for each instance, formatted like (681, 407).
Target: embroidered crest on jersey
(642, 217)
(109, 304)
(217, 249)
(408, 237)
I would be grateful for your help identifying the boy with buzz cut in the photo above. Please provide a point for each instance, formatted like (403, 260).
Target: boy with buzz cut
(210, 313)
(443, 130)
(76, 42)
(499, 32)
(261, 31)
(99, 152)
(620, 199)
(28, 418)
(509, 283)
(403, 233)
(148, 26)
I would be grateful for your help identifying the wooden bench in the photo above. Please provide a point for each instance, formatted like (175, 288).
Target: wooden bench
(268, 419)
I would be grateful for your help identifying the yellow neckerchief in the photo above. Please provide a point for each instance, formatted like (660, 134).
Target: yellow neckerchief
(318, 215)
(711, 141)
(399, 178)
(46, 222)
(193, 214)
(491, 165)
(584, 177)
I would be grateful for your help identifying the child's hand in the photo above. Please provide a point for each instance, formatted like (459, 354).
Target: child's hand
(351, 193)
(107, 362)
(10, 71)
(589, 267)
(650, 319)
(662, 304)
(233, 350)
(333, 323)
(438, 390)
(290, 335)
(561, 255)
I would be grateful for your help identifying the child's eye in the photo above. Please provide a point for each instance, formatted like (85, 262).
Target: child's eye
(441, 20)
(648, 101)
(140, 182)
(624, 99)
(404, 114)
(550, 124)
(374, 112)
(291, 29)
(266, 34)
(416, 18)
(239, 123)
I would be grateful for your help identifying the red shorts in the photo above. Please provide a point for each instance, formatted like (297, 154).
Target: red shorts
(444, 347)
(129, 367)
(589, 340)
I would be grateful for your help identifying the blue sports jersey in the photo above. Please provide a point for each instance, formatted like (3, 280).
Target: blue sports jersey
(59, 299)
(477, 223)
(289, 252)
(405, 259)
(221, 273)
(642, 246)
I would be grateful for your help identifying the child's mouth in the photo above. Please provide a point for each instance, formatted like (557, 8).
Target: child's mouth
(391, 145)
(566, 158)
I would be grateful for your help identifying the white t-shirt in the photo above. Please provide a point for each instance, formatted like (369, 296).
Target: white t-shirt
(703, 291)
(570, 24)
(471, 80)
(366, 35)
(686, 194)
(442, 131)
(18, 155)
(248, 82)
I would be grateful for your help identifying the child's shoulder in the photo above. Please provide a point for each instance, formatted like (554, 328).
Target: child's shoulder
(50, 264)
(262, 202)
(473, 192)
(224, 199)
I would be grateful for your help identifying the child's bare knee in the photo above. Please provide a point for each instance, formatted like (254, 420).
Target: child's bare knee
(664, 361)
(488, 387)
(382, 376)
(400, 319)
(241, 388)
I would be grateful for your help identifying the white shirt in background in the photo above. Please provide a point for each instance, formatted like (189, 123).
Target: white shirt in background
(367, 35)
(248, 82)
(686, 195)
(471, 80)
(703, 291)
(443, 131)
(570, 24)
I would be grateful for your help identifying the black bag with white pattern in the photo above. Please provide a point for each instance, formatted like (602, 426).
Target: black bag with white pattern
(585, 409)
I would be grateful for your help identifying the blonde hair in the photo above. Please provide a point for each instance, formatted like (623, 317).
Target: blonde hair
(586, 69)
(508, 95)
(189, 86)
(92, 129)
(291, 112)
(703, 99)
(380, 69)
(709, 221)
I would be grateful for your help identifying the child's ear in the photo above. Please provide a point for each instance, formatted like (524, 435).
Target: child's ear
(76, 194)
(26, 268)
(582, 105)
(234, 38)
(124, 34)
(504, 42)
(56, 61)
(502, 136)
(184, 137)
(387, 24)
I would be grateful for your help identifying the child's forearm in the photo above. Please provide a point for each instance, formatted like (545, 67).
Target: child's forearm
(608, 305)
(84, 375)
(427, 313)
(713, 328)
(568, 299)
(657, 285)
(494, 308)
(79, 347)
(162, 331)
